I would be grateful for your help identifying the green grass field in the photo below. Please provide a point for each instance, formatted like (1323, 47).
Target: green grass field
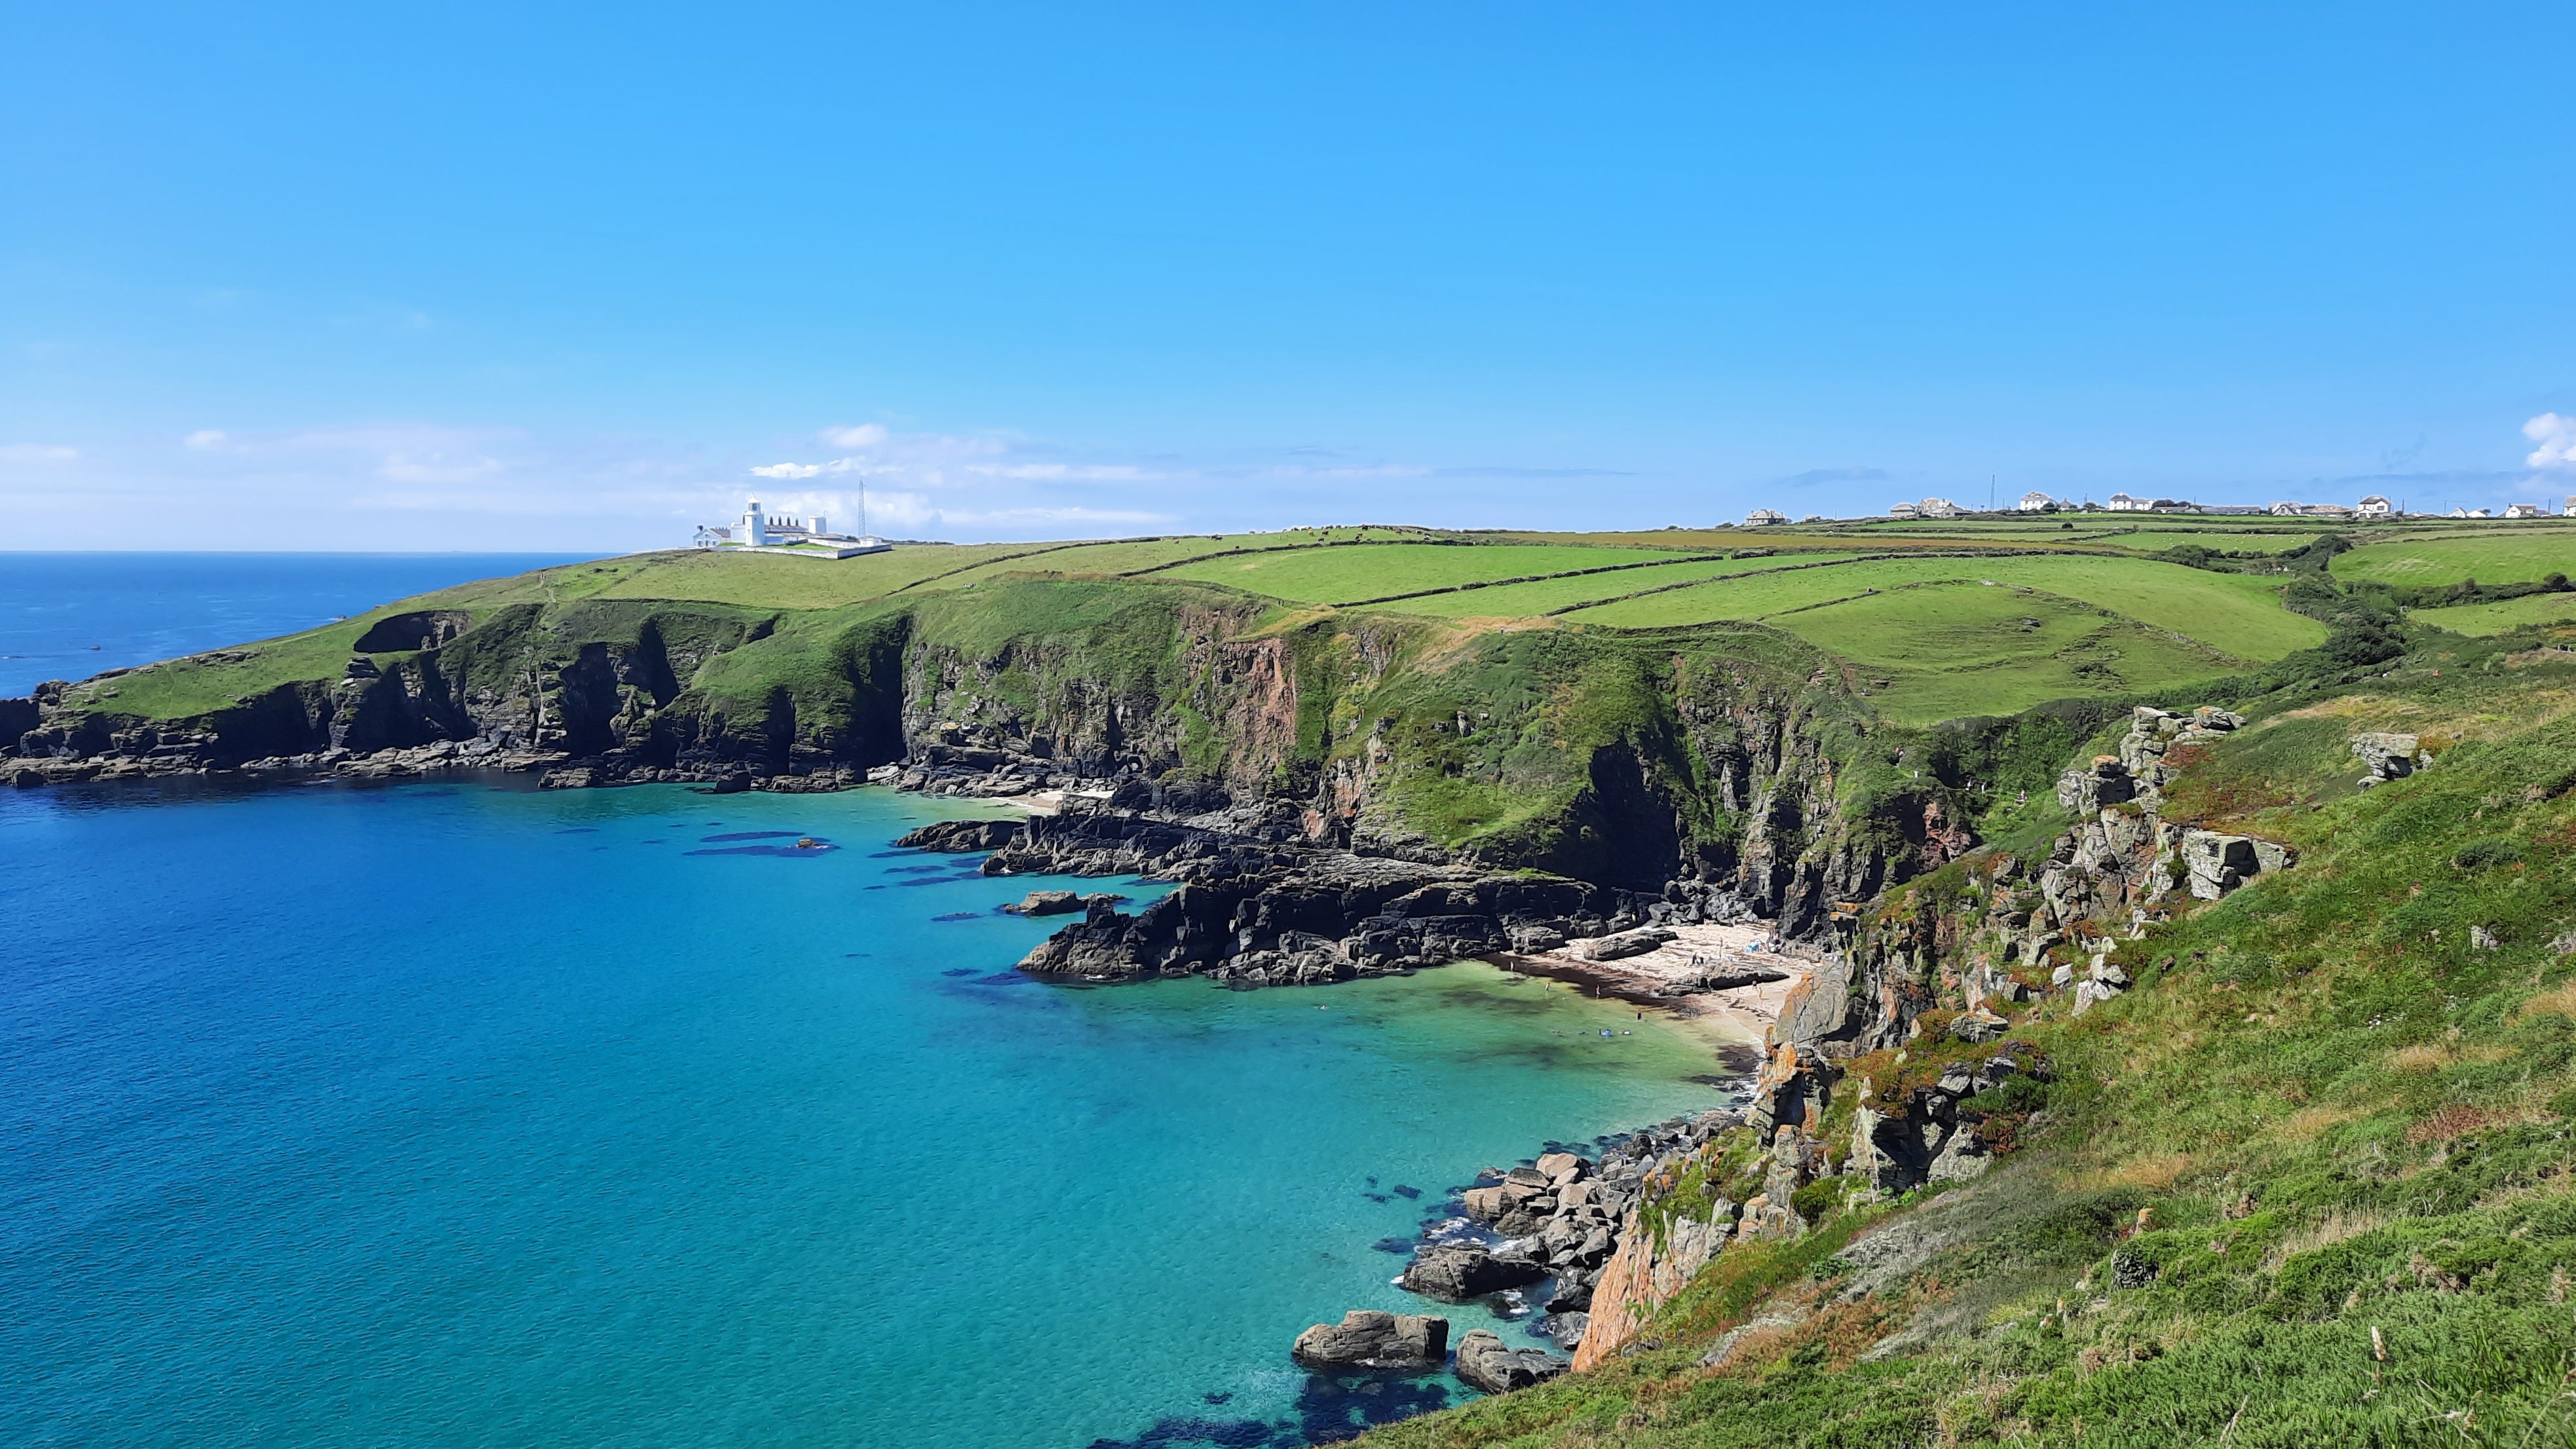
(1347, 575)
(2487, 620)
(2519, 552)
(1930, 652)
(1517, 601)
(2235, 614)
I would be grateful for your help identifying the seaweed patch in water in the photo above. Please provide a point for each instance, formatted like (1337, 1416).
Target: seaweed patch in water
(960, 971)
(1401, 1247)
(961, 916)
(578, 830)
(750, 835)
(1400, 1190)
(792, 852)
(1330, 1409)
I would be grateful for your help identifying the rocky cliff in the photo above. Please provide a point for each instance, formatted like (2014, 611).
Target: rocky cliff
(1890, 1062)
(1731, 760)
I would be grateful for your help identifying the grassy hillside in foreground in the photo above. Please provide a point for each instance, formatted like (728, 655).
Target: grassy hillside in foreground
(2308, 1182)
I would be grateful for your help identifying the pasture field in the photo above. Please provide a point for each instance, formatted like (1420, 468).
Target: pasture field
(1548, 596)
(2236, 614)
(1936, 651)
(1351, 574)
(2488, 620)
(2520, 552)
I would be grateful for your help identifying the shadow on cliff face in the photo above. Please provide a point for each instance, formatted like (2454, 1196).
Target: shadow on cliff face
(1331, 1409)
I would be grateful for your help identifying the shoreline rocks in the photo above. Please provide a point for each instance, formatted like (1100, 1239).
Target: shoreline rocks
(1366, 1338)
(1485, 1362)
(1460, 1272)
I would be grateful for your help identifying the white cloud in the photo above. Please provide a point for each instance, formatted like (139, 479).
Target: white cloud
(37, 453)
(206, 440)
(2556, 435)
(789, 470)
(865, 435)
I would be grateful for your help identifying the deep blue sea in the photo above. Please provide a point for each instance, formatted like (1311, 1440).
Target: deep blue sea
(70, 615)
(461, 1113)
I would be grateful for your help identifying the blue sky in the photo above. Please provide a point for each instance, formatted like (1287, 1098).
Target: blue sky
(467, 276)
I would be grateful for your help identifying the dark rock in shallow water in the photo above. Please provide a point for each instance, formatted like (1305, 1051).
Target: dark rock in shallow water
(1486, 1363)
(1460, 1272)
(1046, 903)
(954, 836)
(1369, 1339)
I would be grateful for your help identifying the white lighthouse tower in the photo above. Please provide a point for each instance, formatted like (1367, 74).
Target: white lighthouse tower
(754, 535)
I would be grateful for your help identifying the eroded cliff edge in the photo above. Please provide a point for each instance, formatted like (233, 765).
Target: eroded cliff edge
(1718, 769)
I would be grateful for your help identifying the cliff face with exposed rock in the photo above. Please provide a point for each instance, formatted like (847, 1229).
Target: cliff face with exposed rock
(1721, 769)
(1887, 1058)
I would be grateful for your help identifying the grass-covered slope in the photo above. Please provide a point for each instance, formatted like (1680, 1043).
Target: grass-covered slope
(2308, 1182)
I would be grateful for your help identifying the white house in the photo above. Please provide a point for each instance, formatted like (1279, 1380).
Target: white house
(759, 532)
(1904, 510)
(1939, 508)
(2526, 510)
(2374, 507)
(2037, 503)
(2288, 510)
(2123, 503)
(1764, 518)
(2471, 513)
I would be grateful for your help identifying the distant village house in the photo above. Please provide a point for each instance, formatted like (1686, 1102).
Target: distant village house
(2375, 507)
(1764, 518)
(2037, 503)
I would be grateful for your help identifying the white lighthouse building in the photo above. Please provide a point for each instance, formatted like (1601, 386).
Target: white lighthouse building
(759, 532)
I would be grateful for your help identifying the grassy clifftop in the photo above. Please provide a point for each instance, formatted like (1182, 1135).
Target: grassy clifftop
(2074, 606)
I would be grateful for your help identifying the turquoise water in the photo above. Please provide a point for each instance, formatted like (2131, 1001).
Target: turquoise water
(464, 1114)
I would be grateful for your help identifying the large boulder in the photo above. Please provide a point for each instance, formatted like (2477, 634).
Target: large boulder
(1485, 1363)
(957, 836)
(1624, 944)
(1046, 903)
(2389, 756)
(1367, 1338)
(1456, 1273)
(2218, 863)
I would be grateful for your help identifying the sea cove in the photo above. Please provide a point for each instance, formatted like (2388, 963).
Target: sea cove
(461, 1113)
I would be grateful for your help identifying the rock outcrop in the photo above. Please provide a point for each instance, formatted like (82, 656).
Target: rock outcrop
(1460, 1272)
(1366, 1338)
(1487, 1363)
